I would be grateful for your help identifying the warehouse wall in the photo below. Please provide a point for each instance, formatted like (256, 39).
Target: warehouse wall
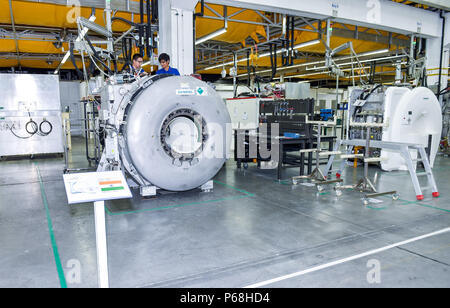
(70, 97)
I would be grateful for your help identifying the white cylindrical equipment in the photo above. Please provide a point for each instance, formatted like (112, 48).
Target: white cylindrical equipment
(171, 132)
(414, 117)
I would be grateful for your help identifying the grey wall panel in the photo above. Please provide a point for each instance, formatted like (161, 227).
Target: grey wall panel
(70, 97)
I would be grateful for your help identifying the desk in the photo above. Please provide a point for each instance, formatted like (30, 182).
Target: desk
(285, 145)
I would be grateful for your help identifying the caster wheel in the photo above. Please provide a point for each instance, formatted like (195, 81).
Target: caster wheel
(395, 197)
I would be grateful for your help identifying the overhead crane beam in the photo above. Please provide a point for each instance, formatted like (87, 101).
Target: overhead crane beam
(120, 5)
(383, 15)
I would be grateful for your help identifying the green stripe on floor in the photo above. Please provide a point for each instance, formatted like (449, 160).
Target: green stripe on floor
(59, 268)
(420, 203)
(246, 195)
(283, 182)
(427, 205)
(376, 208)
(237, 189)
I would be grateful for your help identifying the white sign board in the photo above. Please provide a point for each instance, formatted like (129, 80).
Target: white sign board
(96, 186)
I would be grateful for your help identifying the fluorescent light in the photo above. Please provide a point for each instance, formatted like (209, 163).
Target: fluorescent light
(301, 45)
(369, 53)
(327, 72)
(289, 67)
(66, 56)
(355, 68)
(304, 44)
(337, 59)
(304, 75)
(354, 62)
(227, 63)
(315, 62)
(210, 36)
(266, 54)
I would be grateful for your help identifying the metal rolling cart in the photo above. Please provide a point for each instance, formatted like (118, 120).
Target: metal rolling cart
(316, 175)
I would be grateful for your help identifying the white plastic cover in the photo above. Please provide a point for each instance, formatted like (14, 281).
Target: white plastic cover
(413, 116)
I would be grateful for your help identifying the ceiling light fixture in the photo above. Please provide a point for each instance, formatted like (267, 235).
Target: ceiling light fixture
(210, 36)
(266, 54)
(305, 44)
(337, 59)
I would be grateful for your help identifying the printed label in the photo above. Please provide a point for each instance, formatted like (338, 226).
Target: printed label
(185, 92)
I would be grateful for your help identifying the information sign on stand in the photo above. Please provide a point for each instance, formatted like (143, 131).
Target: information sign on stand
(97, 187)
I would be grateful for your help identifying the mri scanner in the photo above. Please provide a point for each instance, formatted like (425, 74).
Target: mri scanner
(412, 116)
(165, 132)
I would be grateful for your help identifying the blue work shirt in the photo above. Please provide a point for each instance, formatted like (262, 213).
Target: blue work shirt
(136, 72)
(171, 70)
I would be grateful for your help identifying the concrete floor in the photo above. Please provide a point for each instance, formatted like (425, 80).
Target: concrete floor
(251, 228)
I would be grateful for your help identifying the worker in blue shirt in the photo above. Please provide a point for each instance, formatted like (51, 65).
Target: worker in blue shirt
(164, 60)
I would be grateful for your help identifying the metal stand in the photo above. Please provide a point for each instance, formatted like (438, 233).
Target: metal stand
(100, 239)
(404, 149)
(316, 175)
(364, 184)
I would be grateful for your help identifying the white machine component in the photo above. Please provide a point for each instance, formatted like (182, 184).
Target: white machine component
(244, 112)
(30, 115)
(168, 132)
(295, 90)
(414, 117)
(226, 91)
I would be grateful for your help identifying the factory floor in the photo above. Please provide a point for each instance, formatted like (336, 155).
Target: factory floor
(250, 229)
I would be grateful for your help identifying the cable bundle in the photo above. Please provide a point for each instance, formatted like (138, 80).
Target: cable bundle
(32, 128)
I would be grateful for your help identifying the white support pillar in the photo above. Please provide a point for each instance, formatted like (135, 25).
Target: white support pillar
(176, 33)
(433, 53)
